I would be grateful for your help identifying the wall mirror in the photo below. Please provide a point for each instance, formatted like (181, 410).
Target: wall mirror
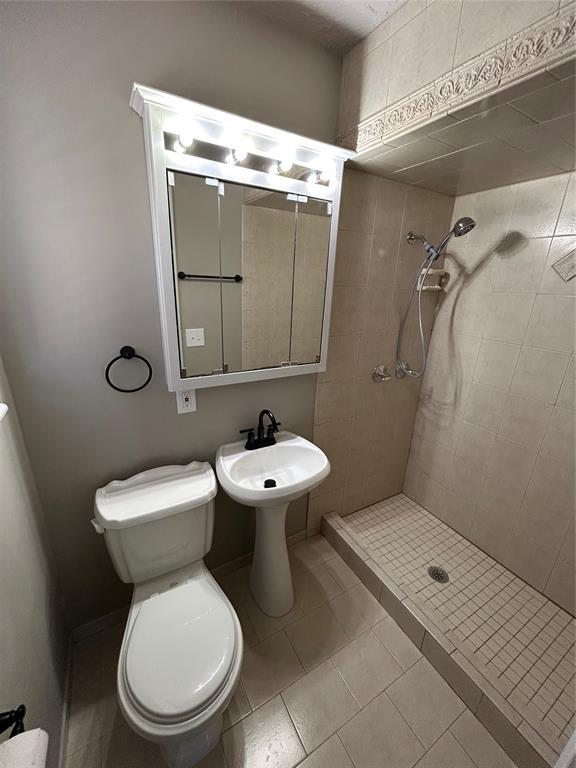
(245, 221)
(249, 270)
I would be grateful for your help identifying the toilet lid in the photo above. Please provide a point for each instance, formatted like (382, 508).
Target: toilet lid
(180, 651)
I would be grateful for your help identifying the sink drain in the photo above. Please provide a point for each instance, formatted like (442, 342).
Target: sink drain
(270, 483)
(438, 574)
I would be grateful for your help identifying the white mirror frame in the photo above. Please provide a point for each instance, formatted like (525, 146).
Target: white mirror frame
(156, 108)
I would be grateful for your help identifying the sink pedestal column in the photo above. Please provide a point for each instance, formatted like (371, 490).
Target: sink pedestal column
(270, 577)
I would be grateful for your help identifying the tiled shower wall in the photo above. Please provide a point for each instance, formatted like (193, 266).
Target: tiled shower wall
(365, 427)
(493, 447)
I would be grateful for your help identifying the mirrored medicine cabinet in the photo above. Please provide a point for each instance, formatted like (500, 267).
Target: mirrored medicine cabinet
(245, 220)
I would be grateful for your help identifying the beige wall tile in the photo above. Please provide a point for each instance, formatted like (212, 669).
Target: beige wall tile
(376, 69)
(358, 201)
(348, 310)
(552, 323)
(496, 363)
(342, 357)
(508, 316)
(567, 220)
(334, 400)
(567, 395)
(537, 206)
(507, 475)
(519, 269)
(551, 282)
(484, 406)
(483, 25)
(415, 64)
(352, 255)
(524, 420)
(539, 374)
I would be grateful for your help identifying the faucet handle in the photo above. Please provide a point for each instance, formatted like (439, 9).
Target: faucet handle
(273, 428)
(250, 440)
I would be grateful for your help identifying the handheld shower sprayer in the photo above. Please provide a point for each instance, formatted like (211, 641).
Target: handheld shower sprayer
(462, 227)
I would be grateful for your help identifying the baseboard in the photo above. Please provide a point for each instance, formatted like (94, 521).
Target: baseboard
(99, 625)
(65, 706)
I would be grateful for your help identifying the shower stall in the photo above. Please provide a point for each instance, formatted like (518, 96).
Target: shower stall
(459, 407)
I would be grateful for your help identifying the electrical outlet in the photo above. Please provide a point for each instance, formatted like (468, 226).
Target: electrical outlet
(186, 401)
(194, 337)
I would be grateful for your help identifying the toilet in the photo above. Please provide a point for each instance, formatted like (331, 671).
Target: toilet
(182, 648)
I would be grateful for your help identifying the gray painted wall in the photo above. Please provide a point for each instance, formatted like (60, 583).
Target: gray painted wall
(32, 642)
(76, 257)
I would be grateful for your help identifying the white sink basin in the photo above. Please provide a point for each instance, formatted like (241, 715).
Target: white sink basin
(297, 466)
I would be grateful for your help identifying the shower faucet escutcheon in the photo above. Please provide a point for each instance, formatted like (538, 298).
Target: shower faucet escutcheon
(261, 440)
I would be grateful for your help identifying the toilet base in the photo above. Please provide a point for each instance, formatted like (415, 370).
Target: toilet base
(187, 752)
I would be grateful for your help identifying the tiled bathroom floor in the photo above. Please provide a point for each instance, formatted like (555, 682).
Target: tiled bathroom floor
(518, 638)
(335, 684)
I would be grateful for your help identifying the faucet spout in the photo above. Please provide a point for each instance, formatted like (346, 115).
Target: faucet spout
(273, 424)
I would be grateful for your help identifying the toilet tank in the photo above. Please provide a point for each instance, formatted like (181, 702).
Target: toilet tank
(157, 521)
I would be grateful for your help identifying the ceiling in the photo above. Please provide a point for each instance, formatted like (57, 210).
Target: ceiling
(334, 24)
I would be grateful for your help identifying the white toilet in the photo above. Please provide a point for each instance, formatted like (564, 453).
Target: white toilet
(182, 648)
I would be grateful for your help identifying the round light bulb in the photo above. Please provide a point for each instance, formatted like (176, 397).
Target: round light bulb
(313, 178)
(230, 159)
(178, 148)
(186, 138)
(274, 169)
(286, 165)
(240, 153)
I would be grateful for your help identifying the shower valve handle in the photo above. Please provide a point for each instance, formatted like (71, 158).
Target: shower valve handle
(381, 373)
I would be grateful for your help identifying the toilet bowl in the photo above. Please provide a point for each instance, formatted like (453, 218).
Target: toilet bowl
(182, 648)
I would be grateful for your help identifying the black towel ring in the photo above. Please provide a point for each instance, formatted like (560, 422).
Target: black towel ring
(127, 353)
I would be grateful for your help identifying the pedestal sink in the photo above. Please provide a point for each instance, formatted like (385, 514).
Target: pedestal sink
(296, 466)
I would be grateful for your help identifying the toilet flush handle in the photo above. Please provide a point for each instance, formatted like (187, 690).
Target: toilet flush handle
(97, 527)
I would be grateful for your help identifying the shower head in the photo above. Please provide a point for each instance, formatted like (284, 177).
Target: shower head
(463, 226)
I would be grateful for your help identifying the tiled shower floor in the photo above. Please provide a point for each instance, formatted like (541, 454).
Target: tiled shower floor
(521, 642)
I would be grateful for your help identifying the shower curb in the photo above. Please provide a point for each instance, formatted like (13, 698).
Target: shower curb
(516, 736)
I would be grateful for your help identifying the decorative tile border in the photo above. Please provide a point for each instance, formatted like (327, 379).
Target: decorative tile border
(547, 42)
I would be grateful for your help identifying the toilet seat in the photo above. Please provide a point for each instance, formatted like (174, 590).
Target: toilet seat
(180, 650)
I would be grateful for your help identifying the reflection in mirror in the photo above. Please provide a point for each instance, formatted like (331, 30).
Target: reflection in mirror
(196, 252)
(310, 267)
(268, 232)
(250, 274)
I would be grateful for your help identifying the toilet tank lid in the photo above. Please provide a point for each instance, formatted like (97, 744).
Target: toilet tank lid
(154, 494)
